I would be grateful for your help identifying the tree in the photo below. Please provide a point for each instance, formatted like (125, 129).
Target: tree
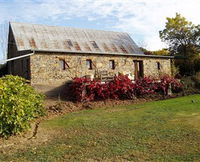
(163, 52)
(183, 38)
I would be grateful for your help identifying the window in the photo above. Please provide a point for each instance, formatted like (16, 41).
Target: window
(94, 44)
(158, 65)
(112, 64)
(69, 42)
(89, 64)
(125, 61)
(62, 64)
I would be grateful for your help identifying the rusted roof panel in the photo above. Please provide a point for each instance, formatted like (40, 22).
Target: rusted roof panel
(77, 47)
(114, 48)
(87, 47)
(106, 48)
(43, 37)
(32, 43)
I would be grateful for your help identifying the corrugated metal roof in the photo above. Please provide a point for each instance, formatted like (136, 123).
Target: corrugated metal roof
(49, 38)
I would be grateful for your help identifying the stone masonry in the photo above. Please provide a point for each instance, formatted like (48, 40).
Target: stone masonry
(46, 73)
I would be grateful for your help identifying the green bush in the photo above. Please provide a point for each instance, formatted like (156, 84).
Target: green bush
(19, 104)
(196, 79)
(175, 71)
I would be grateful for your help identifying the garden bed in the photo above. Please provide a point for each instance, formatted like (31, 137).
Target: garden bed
(55, 107)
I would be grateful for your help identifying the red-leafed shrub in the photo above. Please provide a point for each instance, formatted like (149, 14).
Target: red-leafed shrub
(167, 81)
(82, 89)
(145, 86)
(121, 87)
(102, 91)
(177, 86)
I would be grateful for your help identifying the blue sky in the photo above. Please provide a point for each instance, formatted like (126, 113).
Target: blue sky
(142, 19)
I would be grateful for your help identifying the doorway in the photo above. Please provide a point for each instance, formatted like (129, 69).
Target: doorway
(27, 69)
(138, 67)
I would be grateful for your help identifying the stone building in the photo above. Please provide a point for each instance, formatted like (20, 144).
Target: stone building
(49, 56)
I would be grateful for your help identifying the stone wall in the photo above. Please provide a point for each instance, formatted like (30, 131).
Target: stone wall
(47, 74)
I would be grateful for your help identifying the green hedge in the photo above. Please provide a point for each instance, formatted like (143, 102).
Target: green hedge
(19, 104)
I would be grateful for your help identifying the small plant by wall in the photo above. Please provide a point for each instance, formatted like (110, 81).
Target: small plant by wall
(19, 104)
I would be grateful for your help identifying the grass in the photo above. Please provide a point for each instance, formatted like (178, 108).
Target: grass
(166, 130)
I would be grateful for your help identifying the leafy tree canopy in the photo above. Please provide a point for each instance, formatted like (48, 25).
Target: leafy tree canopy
(182, 36)
(163, 51)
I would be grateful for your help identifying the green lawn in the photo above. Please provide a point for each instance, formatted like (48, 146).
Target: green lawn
(155, 131)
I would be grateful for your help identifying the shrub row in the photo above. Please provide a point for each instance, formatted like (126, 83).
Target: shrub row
(121, 87)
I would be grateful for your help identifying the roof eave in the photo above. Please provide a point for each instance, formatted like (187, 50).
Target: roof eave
(102, 53)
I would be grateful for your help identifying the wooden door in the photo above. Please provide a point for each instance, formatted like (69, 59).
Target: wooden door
(138, 67)
(27, 69)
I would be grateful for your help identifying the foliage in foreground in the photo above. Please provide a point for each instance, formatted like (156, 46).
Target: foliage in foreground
(167, 130)
(19, 104)
(121, 87)
(196, 79)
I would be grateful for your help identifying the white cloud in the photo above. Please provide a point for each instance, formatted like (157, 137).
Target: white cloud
(141, 18)
(150, 16)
